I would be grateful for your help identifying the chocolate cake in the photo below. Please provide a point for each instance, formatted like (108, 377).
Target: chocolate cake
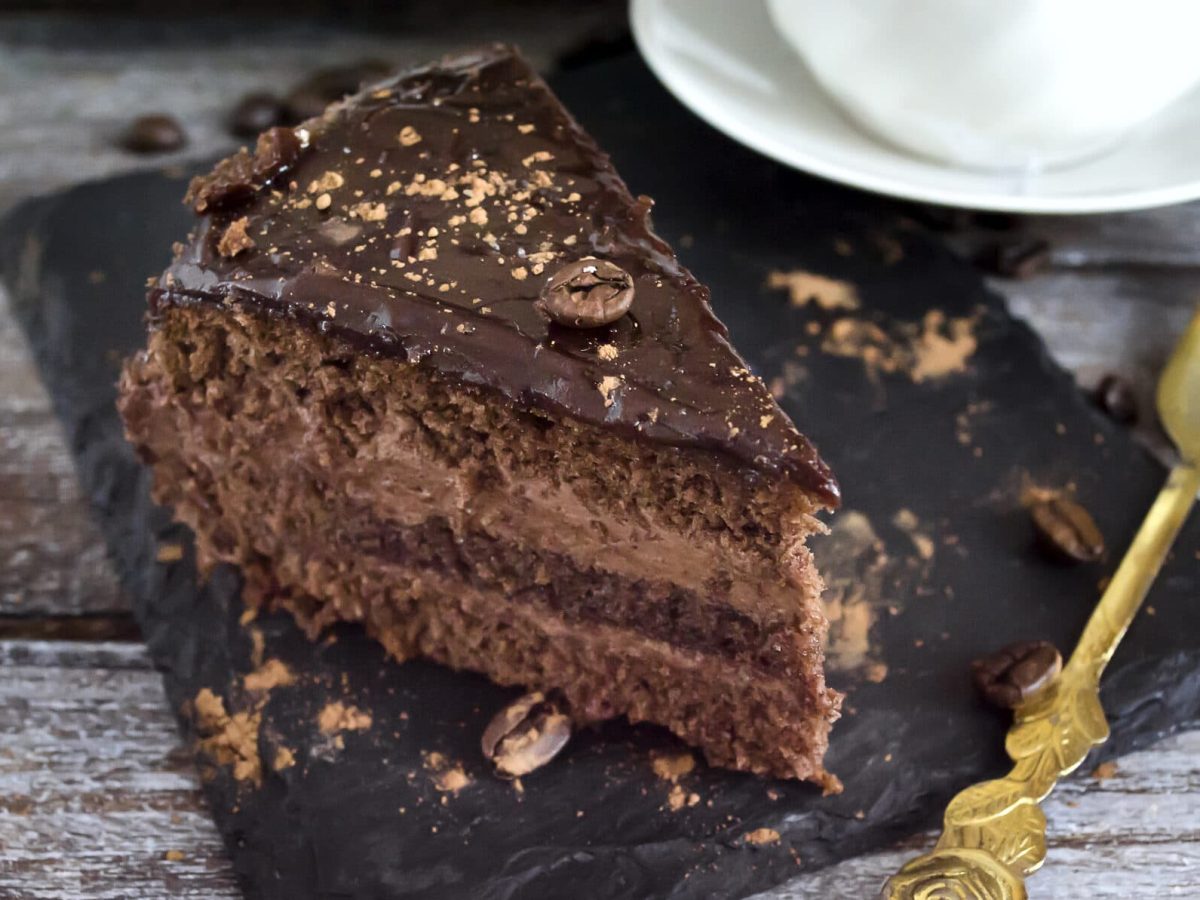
(424, 366)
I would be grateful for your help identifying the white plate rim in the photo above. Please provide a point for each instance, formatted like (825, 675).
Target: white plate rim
(660, 63)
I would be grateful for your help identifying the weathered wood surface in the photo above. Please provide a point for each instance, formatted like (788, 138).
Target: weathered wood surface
(97, 795)
(94, 787)
(96, 790)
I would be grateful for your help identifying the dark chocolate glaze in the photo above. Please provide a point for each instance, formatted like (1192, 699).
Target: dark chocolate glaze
(377, 233)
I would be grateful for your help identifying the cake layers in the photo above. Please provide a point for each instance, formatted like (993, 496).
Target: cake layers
(538, 551)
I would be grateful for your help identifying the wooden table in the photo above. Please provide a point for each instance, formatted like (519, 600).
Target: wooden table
(98, 798)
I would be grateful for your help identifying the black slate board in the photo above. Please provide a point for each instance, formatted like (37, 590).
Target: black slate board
(366, 821)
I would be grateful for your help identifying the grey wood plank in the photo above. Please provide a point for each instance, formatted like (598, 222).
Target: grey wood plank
(98, 798)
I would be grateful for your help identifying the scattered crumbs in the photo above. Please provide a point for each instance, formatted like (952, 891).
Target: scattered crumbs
(235, 239)
(169, 553)
(539, 156)
(678, 798)
(249, 614)
(324, 201)
(478, 216)
(907, 521)
(330, 309)
(887, 757)
(228, 740)
(805, 287)
(447, 777)
(607, 352)
(1105, 771)
(271, 674)
(173, 855)
(608, 384)
(860, 814)
(518, 786)
(875, 672)
(764, 421)
(570, 240)
(408, 136)
(761, 836)
(520, 273)
(284, 759)
(773, 794)
(369, 212)
(525, 128)
(1151, 611)
(672, 766)
(336, 716)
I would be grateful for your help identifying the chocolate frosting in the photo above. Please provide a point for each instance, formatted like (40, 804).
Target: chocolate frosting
(421, 218)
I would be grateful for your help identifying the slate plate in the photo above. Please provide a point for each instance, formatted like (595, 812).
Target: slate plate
(933, 469)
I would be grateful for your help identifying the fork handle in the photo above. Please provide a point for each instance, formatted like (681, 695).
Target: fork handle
(994, 833)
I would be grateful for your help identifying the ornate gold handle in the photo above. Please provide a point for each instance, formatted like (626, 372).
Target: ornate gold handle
(994, 833)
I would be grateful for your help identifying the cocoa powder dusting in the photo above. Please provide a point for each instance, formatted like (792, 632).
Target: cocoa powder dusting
(805, 287)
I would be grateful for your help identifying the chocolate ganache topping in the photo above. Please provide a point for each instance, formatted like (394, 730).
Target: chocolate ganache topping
(423, 217)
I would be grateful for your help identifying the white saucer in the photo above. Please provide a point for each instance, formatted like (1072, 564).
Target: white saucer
(724, 60)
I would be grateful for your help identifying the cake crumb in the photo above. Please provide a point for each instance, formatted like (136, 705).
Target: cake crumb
(173, 855)
(938, 354)
(1105, 770)
(608, 384)
(525, 128)
(764, 421)
(408, 136)
(235, 239)
(805, 287)
(284, 759)
(369, 212)
(168, 553)
(520, 273)
(761, 836)
(228, 740)
(271, 674)
(672, 766)
(336, 716)
(324, 201)
(478, 216)
(607, 352)
(539, 156)
(875, 672)
(448, 777)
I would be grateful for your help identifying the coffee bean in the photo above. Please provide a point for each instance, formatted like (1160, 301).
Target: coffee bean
(587, 293)
(1021, 258)
(255, 113)
(1066, 530)
(1115, 396)
(152, 134)
(1012, 675)
(310, 97)
(525, 735)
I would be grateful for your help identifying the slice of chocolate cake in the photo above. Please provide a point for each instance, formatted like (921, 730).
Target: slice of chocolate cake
(425, 366)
